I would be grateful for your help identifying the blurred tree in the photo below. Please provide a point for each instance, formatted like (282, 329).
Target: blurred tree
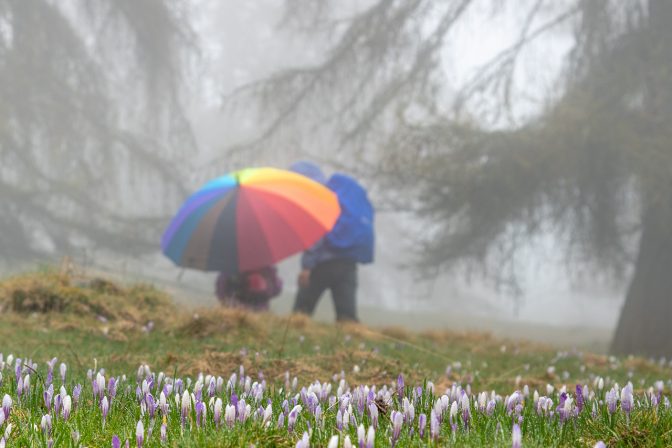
(91, 123)
(593, 166)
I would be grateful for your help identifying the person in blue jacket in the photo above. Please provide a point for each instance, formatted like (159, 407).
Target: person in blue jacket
(331, 264)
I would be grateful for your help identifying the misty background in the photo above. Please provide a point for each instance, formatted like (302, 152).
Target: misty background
(232, 44)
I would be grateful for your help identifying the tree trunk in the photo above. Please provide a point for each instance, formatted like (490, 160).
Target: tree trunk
(645, 324)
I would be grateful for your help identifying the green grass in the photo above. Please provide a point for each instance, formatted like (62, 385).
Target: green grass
(218, 342)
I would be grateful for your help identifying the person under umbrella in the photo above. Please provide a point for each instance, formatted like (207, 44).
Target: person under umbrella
(332, 262)
(251, 290)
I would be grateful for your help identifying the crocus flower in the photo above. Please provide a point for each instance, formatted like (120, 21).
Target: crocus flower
(76, 392)
(361, 436)
(218, 411)
(600, 444)
(422, 423)
(434, 426)
(304, 442)
(45, 424)
(112, 387)
(400, 385)
(67, 407)
(185, 407)
(6, 405)
(397, 423)
(293, 415)
(48, 395)
(268, 414)
(281, 420)
(230, 415)
(116, 443)
(370, 437)
(26, 384)
(346, 442)
(200, 413)
(99, 385)
(516, 437)
(579, 398)
(63, 369)
(333, 442)
(104, 409)
(139, 433)
(373, 411)
(164, 434)
(627, 400)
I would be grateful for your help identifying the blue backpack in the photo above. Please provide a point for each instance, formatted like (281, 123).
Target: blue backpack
(353, 234)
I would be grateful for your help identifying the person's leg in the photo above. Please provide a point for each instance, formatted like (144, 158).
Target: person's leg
(344, 291)
(307, 298)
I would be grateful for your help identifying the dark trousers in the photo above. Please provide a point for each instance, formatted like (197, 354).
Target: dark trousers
(340, 276)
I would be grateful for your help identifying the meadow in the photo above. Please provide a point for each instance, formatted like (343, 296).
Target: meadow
(88, 362)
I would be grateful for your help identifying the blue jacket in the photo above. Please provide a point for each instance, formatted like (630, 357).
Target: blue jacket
(352, 237)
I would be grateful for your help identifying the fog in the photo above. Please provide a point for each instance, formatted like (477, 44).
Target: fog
(175, 109)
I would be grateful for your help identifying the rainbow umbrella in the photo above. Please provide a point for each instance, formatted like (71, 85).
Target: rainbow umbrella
(249, 219)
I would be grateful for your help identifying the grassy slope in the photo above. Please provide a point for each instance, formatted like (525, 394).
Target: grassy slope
(217, 341)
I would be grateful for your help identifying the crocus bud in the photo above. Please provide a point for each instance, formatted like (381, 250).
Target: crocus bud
(164, 433)
(218, 411)
(516, 437)
(422, 423)
(63, 369)
(370, 437)
(139, 433)
(26, 384)
(347, 443)
(116, 443)
(293, 415)
(268, 414)
(67, 407)
(304, 442)
(230, 415)
(45, 424)
(104, 409)
(6, 405)
(333, 442)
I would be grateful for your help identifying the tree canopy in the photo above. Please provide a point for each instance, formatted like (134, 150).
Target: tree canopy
(90, 114)
(593, 165)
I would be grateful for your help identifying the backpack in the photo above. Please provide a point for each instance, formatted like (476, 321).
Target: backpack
(353, 235)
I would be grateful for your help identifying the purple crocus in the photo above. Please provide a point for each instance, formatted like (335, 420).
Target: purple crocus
(516, 437)
(76, 392)
(611, 399)
(112, 388)
(370, 437)
(579, 398)
(293, 415)
(200, 413)
(104, 409)
(600, 444)
(6, 405)
(397, 423)
(627, 400)
(434, 426)
(422, 423)
(57, 403)
(48, 395)
(116, 443)
(400, 386)
(139, 433)
(164, 433)
(45, 424)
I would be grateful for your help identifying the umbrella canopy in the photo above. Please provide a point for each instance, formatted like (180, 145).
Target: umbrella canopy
(249, 219)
